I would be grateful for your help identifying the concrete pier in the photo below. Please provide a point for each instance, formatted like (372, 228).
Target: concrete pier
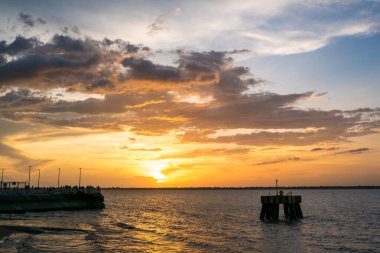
(50, 199)
(271, 206)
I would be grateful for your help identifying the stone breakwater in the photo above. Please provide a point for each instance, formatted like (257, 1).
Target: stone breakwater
(50, 199)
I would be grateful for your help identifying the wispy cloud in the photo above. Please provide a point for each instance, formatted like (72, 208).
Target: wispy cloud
(353, 151)
(29, 21)
(283, 160)
(158, 25)
(206, 152)
(141, 149)
(323, 149)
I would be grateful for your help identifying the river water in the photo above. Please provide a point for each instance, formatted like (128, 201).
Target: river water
(203, 221)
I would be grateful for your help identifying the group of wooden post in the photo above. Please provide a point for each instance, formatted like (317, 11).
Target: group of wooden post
(271, 207)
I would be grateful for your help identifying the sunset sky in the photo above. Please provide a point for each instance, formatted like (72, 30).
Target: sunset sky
(190, 93)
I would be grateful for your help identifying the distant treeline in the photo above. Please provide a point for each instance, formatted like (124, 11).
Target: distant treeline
(249, 188)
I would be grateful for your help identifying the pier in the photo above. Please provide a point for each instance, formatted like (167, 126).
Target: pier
(271, 207)
(18, 200)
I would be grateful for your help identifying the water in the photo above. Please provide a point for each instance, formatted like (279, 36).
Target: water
(204, 221)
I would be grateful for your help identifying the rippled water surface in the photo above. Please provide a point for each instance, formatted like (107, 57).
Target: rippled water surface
(203, 221)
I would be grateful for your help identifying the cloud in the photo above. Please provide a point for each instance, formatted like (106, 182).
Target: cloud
(100, 84)
(145, 69)
(294, 159)
(158, 25)
(16, 155)
(72, 29)
(173, 168)
(353, 151)
(20, 98)
(84, 65)
(30, 21)
(196, 96)
(141, 149)
(323, 149)
(18, 45)
(206, 152)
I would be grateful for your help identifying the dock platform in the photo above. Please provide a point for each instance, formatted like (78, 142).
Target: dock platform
(271, 207)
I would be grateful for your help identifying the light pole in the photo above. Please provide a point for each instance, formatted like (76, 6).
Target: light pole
(29, 176)
(59, 175)
(80, 175)
(276, 187)
(39, 174)
(2, 177)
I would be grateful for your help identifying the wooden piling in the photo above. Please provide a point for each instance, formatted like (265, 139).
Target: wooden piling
(276, 210)
(263, 211)
(271, 207)
(286, 211)
(298, 210)
(268, 213)
(293, 214)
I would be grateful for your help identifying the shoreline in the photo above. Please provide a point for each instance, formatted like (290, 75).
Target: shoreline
(249, 188)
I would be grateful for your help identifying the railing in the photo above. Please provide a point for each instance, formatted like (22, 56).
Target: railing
(49, 190)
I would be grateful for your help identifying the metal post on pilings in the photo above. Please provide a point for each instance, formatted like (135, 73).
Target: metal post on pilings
(59, 175)
(276, 187)
(39, 174)
(2, 177)
(80, 176)
(29, 176)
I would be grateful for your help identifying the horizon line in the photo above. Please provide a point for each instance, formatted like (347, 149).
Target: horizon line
(245, 187)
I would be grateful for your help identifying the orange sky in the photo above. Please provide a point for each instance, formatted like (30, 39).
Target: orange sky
(125, 160)
(169, 111)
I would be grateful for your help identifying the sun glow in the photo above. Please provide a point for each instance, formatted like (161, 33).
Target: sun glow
(154, 170)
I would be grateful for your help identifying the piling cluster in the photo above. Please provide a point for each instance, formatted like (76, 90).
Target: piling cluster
(271, 207)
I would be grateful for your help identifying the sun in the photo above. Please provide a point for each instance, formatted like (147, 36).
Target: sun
(154, 170)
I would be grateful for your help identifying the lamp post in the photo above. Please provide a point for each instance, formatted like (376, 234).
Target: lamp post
(39, 174)
(276, 187)
(59, 175)
(2, 177)
(80, 176)
(30, 167)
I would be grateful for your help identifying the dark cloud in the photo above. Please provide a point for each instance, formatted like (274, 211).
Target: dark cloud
(64, 61)
(239, 51)
(147, 70)
(33, 65)
(353, 151)
(29, 21)
(2, 60)
(323, 149)
(203, 61)
(71, 29)
(294, 159)
(17, 99)
(88, 106)
(68, 43)
(18, 45)
(100, 85)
